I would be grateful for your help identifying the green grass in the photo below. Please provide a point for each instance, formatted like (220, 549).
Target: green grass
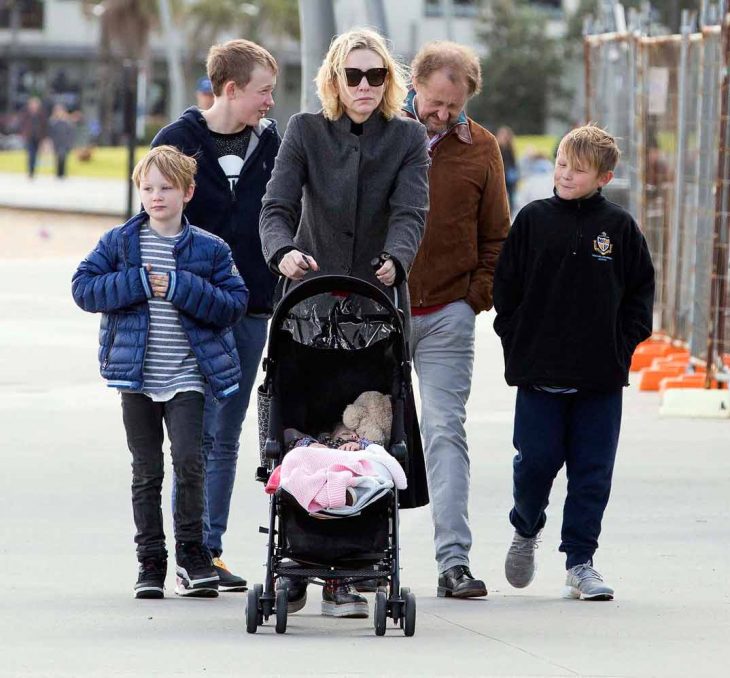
(544, 144)
(110, 162)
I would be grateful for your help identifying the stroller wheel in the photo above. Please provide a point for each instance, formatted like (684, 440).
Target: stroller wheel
(259, 590)
(404, 591)
(281, 604)
(380, 614)
(252, 610)
(409, 625)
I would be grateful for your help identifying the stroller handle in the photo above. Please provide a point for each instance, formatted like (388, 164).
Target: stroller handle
(318, 283)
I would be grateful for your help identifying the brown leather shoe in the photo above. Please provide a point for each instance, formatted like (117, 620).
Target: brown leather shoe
(296, 592)
(458, 582)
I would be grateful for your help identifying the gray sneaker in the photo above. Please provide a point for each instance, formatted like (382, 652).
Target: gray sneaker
(585, 583)
(519, 565)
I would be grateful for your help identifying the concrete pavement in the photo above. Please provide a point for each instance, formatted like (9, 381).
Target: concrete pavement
(67, 555)
(72, 194)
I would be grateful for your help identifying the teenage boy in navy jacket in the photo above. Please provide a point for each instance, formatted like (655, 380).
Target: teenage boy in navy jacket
(169, 293)
(235, 146)
(574, 292)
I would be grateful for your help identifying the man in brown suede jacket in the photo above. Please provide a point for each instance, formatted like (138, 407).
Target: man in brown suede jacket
(450, 282)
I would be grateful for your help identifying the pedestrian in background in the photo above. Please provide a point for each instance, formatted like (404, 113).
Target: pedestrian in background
(574, 293)
(204, 94)
(34, 129)
(450, 283)
(62, 132)
(169, 293)
(505, 139)
(235, 145)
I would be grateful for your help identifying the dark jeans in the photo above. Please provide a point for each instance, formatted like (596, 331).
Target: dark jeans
(183, 417)
(31, 146)
(222, 430)
(61, 165)
(579, 430)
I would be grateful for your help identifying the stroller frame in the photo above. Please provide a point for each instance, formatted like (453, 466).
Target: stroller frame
(392, 601)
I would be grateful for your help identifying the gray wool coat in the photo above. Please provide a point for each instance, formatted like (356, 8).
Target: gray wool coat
(345, 198)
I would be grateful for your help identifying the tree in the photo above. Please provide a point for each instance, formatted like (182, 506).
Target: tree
(207, 20)
(522, 70)
(125, 30)
(125, 27)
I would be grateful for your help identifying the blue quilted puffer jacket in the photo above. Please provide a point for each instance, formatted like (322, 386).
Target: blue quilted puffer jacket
(205, 288)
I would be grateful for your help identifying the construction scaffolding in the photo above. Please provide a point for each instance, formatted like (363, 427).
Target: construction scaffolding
(666, 99)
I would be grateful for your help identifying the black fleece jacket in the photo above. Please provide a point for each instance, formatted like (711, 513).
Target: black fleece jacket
(233, 216)
(574, 294)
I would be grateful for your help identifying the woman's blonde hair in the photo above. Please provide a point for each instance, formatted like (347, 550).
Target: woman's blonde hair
(331, 77)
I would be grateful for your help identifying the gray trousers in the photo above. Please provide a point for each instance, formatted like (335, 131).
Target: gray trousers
(442, 345)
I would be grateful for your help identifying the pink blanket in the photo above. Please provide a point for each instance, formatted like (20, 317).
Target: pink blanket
(318, 477)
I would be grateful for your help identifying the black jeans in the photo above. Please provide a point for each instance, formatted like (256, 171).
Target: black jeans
(183, 417)
(581, 432)
(61, 165)
(32, 146)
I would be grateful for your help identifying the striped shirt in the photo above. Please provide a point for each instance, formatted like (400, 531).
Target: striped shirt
(563, 390)
(169, 363)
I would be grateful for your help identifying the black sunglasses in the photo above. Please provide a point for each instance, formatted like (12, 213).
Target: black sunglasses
(375, 76)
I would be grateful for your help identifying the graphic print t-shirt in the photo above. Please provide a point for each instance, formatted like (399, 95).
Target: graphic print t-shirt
(232, 150)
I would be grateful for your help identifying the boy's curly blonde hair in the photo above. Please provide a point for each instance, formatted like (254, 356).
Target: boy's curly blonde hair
(179, 169)
(590, 145)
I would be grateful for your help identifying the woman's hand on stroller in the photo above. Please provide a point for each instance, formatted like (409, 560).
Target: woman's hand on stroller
(386, 273)
(294, 265)
(385, 269)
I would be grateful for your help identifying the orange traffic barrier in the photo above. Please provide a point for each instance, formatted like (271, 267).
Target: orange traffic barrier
(645, 354)
(685, 381)
(651, 377)
(656, 339)
(678, 359)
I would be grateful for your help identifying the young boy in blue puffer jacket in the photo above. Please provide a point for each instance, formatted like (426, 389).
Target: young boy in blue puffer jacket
(169, 293)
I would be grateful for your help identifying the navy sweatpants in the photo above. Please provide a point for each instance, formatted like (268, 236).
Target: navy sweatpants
(581, 431)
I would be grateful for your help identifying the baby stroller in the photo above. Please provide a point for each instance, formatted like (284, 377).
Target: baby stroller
(331, 339)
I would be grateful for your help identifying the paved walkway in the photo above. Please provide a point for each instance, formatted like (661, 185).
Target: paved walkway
(73, 194)
(67, 555)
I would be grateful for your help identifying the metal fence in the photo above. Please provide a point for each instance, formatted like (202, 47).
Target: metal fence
(665, 98)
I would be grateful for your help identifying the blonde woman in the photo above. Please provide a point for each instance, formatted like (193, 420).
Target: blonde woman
(350, 185)
(350, 182)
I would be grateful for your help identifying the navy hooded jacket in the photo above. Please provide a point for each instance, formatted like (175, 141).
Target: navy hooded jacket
(205, 288)
(233, 216)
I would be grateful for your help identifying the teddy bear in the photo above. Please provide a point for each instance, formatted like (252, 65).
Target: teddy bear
(370, 416)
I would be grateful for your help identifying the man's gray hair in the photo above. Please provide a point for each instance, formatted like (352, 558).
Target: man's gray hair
(460, 62)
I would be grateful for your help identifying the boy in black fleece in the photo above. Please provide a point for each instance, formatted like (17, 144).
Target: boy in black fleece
(574, 292)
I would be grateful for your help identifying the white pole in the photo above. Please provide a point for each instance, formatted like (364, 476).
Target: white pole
(176, 98)
(317, 23)
(375, 12)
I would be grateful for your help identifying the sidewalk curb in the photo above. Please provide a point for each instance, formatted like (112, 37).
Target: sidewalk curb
(63, 209)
